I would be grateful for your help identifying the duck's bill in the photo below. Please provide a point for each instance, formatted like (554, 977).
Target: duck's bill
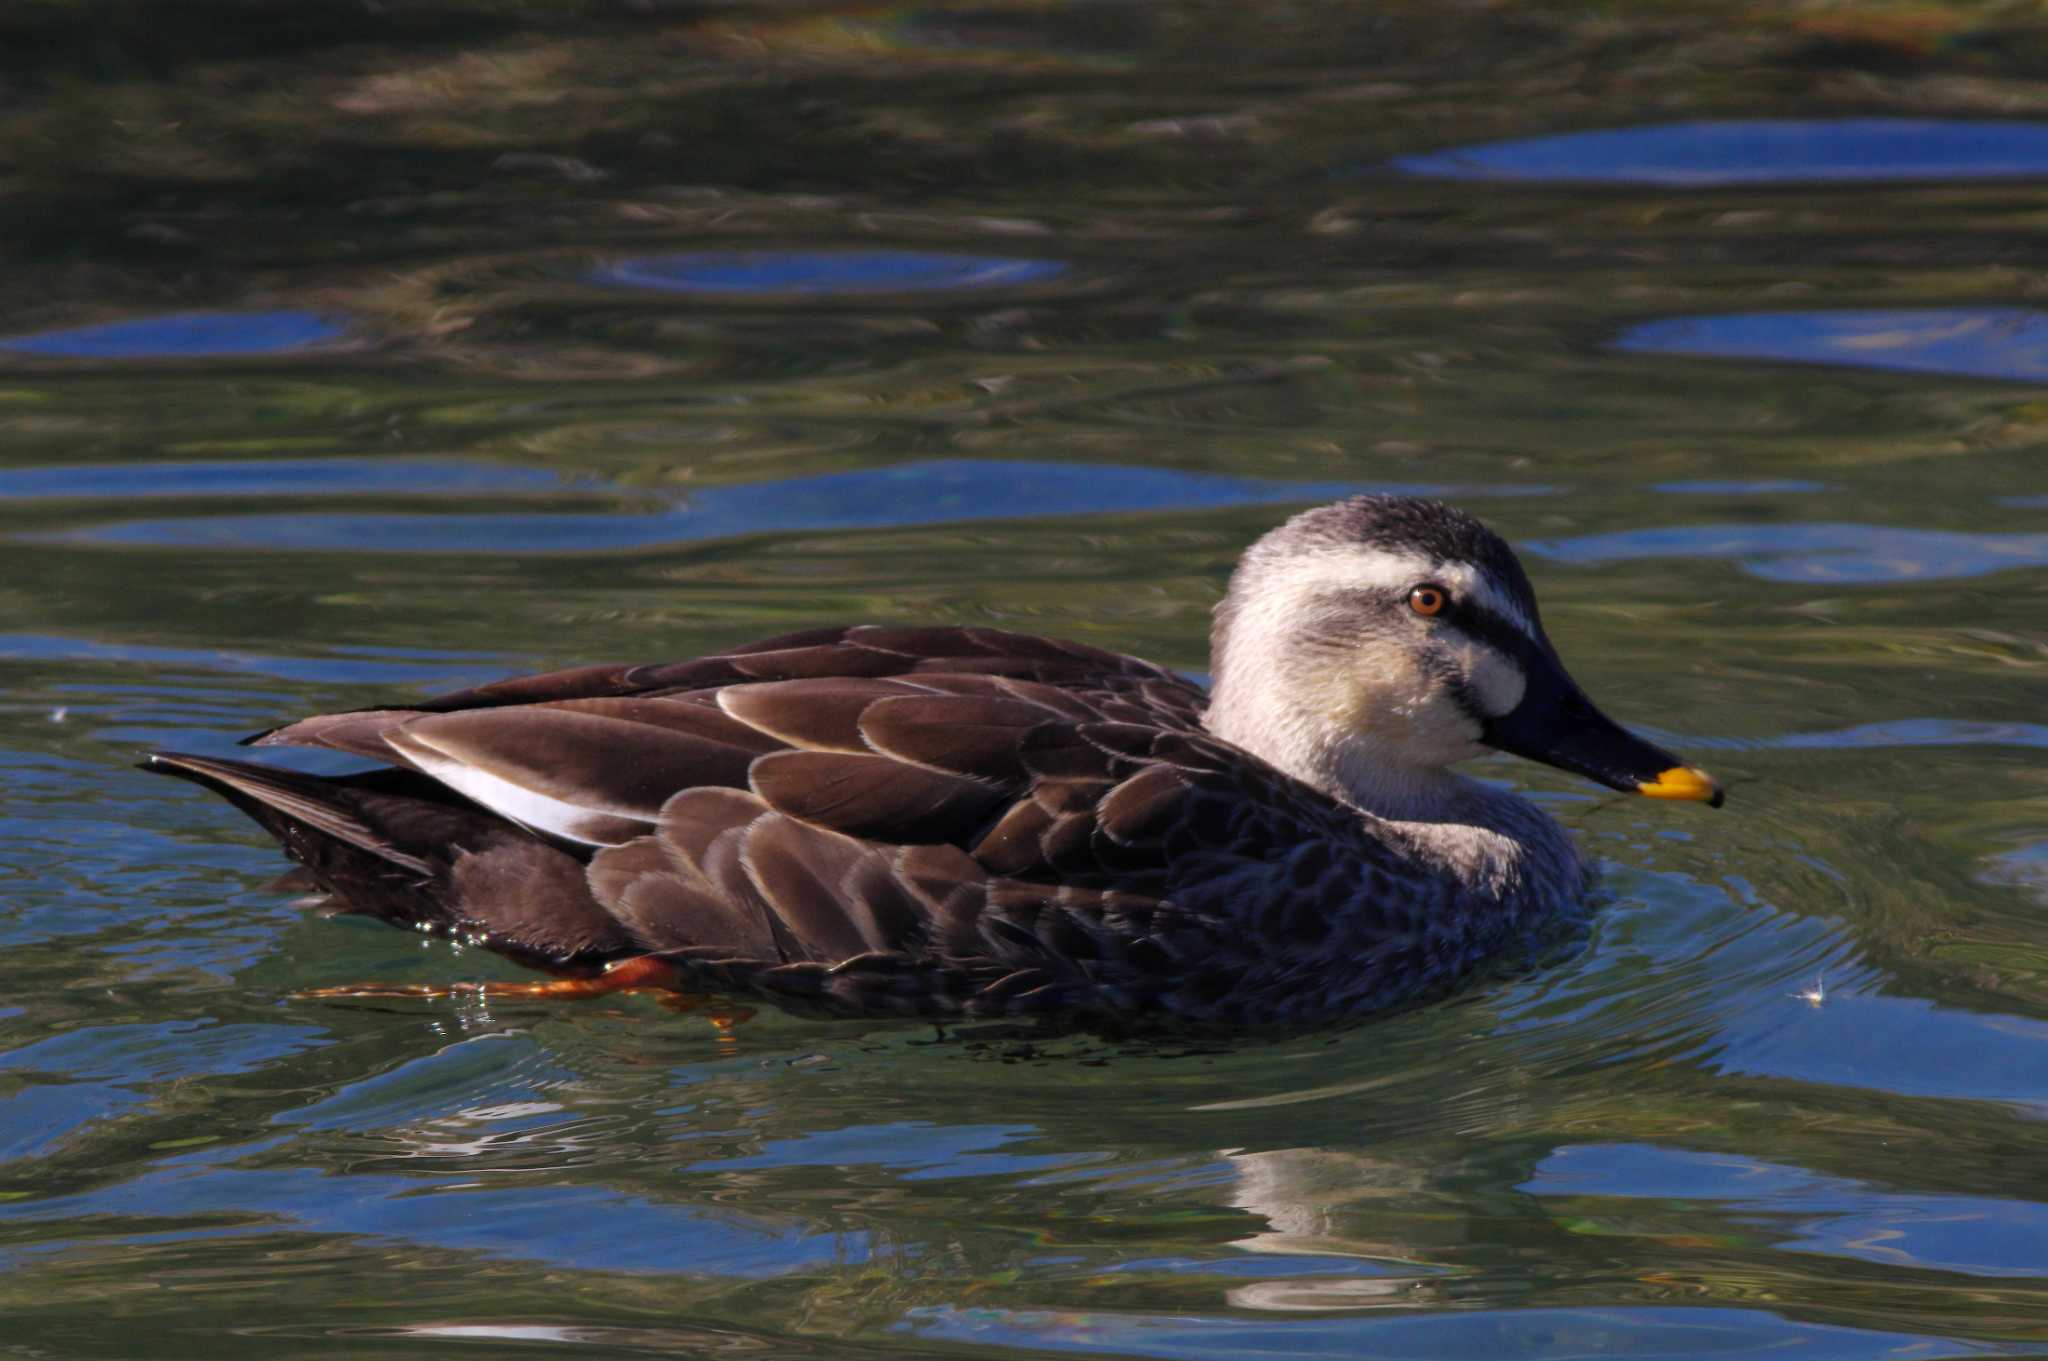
(1684, 782)
(1569, 733)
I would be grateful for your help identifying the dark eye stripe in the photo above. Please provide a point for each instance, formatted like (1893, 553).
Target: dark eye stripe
(1448, 676)
(1489, 627)
(1343, 617)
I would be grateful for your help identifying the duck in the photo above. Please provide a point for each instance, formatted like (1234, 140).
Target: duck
(955, 822)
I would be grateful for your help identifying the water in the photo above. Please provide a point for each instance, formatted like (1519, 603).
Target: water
(365, 355)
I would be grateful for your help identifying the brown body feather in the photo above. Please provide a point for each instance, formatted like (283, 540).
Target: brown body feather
(872, 820)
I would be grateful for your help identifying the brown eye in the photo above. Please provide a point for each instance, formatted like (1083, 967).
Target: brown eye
(1428, 599)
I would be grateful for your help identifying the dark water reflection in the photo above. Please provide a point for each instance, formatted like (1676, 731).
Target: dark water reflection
(1029, 315)
(1761, 486)
(822, 272)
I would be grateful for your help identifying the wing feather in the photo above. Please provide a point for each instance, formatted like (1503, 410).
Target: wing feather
(668, 906)
(877, 798)
(833, 893)
(821, 714)
(360, 733)
(971, 735)
(584, 777)
(898, 818)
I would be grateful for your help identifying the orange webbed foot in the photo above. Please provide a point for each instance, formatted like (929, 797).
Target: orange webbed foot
(628, 975)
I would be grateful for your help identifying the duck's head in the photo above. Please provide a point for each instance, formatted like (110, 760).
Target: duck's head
(1366, 645)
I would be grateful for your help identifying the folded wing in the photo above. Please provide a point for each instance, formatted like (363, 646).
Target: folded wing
(875, 818)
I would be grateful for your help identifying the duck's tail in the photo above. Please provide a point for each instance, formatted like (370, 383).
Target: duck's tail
(289, 805)
(394, 844)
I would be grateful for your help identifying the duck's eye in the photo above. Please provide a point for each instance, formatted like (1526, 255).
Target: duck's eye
(1428, 599)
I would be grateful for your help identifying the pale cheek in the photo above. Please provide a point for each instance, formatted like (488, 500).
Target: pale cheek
(1496, 682)
(1392, 699)
(1439, 732)
(1380, 689)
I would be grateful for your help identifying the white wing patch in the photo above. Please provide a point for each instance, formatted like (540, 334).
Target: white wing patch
(530, 808)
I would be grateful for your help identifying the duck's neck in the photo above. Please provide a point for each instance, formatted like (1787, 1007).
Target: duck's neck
(1349, 766)
(1490, 837)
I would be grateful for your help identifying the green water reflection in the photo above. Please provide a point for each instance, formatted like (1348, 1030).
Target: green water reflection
(1788, 1096)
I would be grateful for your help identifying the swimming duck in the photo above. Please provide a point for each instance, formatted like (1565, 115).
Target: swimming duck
(966, 821)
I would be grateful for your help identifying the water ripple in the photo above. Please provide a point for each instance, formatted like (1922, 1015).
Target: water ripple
(1969, 342)
(815, 273)
(185, 335)
(1645, 1333)
(1755, 151)
(1900, 732)
(938, 492)
(588, 1228)
(368, 666)
(1758, 486)
(489, 1071)
(1817, 553)
(1811, 1212)
(83, 1078)
(1907, 1046)
(274, 477)
(924, 1150)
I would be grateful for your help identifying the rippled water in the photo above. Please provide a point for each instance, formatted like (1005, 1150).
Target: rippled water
(371, 354)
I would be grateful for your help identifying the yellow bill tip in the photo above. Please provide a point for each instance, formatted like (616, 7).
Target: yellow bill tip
(1684, 782)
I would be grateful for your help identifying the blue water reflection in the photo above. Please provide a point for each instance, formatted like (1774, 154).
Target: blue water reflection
(1842, 554)
(1639, 1333)
(1977, 1235)
(1900, 1045)
(346, 666)
(1968, 342)
(2024, 868)
(491, 1072)
(1755, 151)
(820, 272)
(69, 1083)
(1920, 732)
(1886, 733)
(184, 335)
(939, 492)
(587, 1228)
(273, 477)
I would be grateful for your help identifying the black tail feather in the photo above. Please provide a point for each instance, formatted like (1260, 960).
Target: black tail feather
(396, 845)
(273, 797)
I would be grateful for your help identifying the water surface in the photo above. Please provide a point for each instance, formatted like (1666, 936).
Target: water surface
(694, 325)
(1757, 151)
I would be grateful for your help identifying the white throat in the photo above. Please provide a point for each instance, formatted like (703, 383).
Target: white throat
(1263, 715)
(1354, 721)
(1391, 759)
(1489, 838)
(1322, 670)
